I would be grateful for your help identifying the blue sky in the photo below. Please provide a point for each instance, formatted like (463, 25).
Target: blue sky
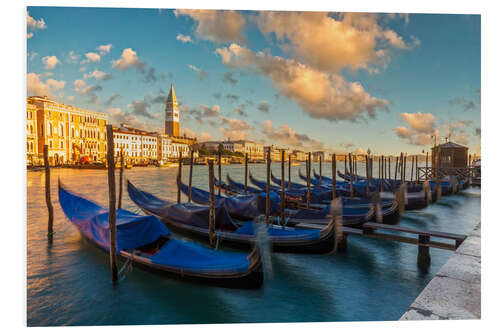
(305, 82)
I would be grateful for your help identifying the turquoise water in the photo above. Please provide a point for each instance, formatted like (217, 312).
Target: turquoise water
(68, 282)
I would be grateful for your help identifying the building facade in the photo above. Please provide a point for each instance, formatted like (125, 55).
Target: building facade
(31, 135)
(138, 146)
(72, 134)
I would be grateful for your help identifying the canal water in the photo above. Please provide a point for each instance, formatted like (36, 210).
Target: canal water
(68, 282)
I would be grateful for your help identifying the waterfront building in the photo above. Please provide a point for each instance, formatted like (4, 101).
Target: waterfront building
(138, 146)
(172, 114)
(450, 155)
(72, 134)
(299, 155)
(31, 135)
(316, 156)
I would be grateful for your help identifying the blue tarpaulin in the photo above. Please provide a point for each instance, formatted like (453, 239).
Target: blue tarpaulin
(132, 230)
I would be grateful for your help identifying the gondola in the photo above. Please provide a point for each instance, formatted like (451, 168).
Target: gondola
(243, 207)
(293, 185)
(193, 219)
(146, 242)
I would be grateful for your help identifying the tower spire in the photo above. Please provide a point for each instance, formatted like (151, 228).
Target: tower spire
(172, 113)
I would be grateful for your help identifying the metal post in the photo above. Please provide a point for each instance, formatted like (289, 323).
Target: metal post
(268, 180)
(211, 215)
(48, 201)
(191, 160)
(283, 187)
(120, 188)
(334, 176)
(112, 204)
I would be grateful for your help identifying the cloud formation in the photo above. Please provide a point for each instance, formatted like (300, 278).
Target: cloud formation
(50, 62)
(200, 72)
(331, 43)
(463, 103)
(33, 24)
(228, 78)
(99, 75)
(284, 134)
(111, 98)
(81, 87)
(104, 49)
(184, 39)
(36, 86)
(321, 95)
(218, 26)
(240, 112)
(140, 108)
(264, 107)
(234, 129)
(128, 59)
(91, 57)
(117, 117)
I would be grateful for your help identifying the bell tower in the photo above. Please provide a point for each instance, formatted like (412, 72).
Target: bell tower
(172, 113)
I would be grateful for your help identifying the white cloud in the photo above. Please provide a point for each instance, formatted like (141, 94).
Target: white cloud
(34, 24)
(128, 59)
(117, 117)
(104, 49)
(321, 95)
(29, 35)
(184, 38)
(284, 134)
(218, 26)
(73, 57)
(91, 57)
(97, 74)
(56, 85)
(50, 62)
(36, 86)
(353, 40)
(420, 122)
(201, 73)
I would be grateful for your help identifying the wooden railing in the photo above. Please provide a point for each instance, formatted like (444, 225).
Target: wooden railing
(425, 173)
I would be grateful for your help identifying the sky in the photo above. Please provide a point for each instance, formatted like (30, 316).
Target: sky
(340, 82)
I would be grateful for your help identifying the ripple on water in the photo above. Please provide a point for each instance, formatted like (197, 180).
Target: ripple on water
(68, 283)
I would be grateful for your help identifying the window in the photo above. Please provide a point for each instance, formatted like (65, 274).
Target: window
(50, 129)
(50, 144)
(72, 132)
(61, 127)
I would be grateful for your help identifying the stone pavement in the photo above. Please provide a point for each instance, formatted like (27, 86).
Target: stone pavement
(455, 291)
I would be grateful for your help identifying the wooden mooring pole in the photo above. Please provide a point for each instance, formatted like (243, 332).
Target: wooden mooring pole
(334, 176)
(351, 176)
(412, 162)
(382, 175)
(211, 214)
(427, 166)
(282, 187)
(120, 187)
(179, 178)
(246, 172)
(268, 185)
(308, 199)
(48, 201)
(367, 161)
(289, 170)
(191, 161)
(424, 257)
(112, 204)
(219, 173)
(320, 169)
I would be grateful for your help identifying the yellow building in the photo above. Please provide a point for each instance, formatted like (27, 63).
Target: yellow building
(72, 134)
(31, 135)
